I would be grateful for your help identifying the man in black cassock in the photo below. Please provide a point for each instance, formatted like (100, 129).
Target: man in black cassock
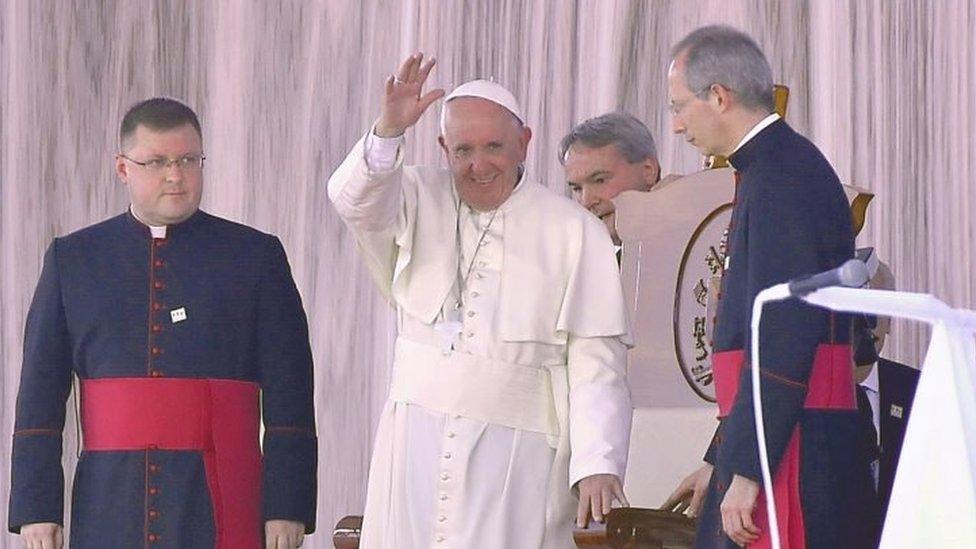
(790, 218)
(184, 330)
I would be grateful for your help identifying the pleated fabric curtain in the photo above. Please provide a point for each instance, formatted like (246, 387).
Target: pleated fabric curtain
(284, 88)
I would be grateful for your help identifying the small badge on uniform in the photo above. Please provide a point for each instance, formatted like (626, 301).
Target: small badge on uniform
(897, 411)
(178, 315)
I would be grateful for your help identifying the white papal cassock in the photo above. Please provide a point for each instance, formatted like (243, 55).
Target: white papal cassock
(479, 446)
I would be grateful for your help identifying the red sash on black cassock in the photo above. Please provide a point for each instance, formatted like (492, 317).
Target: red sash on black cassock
(831, 386)
(216, 417)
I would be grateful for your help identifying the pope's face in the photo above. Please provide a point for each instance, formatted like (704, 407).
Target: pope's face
(597, 175)
(693, 117)
(485, 145)
(168, 194)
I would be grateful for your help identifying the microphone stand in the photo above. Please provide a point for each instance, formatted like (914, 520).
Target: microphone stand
(778, 292)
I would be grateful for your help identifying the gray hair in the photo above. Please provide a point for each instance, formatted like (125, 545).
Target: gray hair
(631, 136)
(719, 54)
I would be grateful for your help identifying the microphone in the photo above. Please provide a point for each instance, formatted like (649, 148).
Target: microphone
(852, 274)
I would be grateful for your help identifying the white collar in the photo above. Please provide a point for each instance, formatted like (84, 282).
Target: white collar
(871, 382)
(158, 231)
(760, 126)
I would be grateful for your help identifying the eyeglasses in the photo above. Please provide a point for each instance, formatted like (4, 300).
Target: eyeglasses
(675, 107)
(185, 162)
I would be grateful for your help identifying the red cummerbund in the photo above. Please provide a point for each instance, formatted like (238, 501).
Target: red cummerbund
(217, 417)
(831, 383)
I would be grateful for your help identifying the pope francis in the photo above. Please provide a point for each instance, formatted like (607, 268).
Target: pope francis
(508, 407)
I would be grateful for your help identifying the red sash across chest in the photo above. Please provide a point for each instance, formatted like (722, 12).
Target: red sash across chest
(218, 418)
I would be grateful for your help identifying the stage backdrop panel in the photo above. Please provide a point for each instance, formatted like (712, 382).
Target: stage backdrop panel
(284, 88)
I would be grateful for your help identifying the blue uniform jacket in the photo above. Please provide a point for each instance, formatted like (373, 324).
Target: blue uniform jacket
(790, 219)
(103, 308)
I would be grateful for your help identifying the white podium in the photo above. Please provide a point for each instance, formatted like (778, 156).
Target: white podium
(933, 501)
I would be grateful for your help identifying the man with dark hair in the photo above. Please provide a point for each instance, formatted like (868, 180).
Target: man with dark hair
(605, 156)
(185, 330)
(790, 218)
(157, 113)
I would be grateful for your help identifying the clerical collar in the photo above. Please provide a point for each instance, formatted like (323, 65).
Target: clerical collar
(157, 231)
(760, 126)
(871, 382)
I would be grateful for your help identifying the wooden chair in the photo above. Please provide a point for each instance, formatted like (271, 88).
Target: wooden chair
(345, 535)
(638, 528)
(624, 528)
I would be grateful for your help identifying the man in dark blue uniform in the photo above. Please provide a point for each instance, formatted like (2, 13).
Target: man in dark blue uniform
(790, 218)
(185, 330)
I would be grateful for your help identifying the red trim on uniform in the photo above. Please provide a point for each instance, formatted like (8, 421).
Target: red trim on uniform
(27, 432)
(219, 418)
(216, 497)
(726, 368)
(789, 507)
(153, 309)
(299, 430)
(830, 387)
(145, 495)
(833, 387)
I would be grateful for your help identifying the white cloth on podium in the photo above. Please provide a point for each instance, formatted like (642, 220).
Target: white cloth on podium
(933, 500)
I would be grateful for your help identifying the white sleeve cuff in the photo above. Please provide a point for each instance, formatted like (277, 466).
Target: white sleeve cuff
(381, 152)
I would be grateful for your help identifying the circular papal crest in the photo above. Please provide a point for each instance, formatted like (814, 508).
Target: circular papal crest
(696, 299)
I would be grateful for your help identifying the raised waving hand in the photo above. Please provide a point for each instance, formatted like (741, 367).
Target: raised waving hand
(403, 103)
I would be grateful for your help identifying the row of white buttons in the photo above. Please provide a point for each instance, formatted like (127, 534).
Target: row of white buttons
(439, 535)
(447, 455)
(478, 275)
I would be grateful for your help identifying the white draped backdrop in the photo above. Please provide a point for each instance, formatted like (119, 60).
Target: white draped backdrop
(284, 88)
